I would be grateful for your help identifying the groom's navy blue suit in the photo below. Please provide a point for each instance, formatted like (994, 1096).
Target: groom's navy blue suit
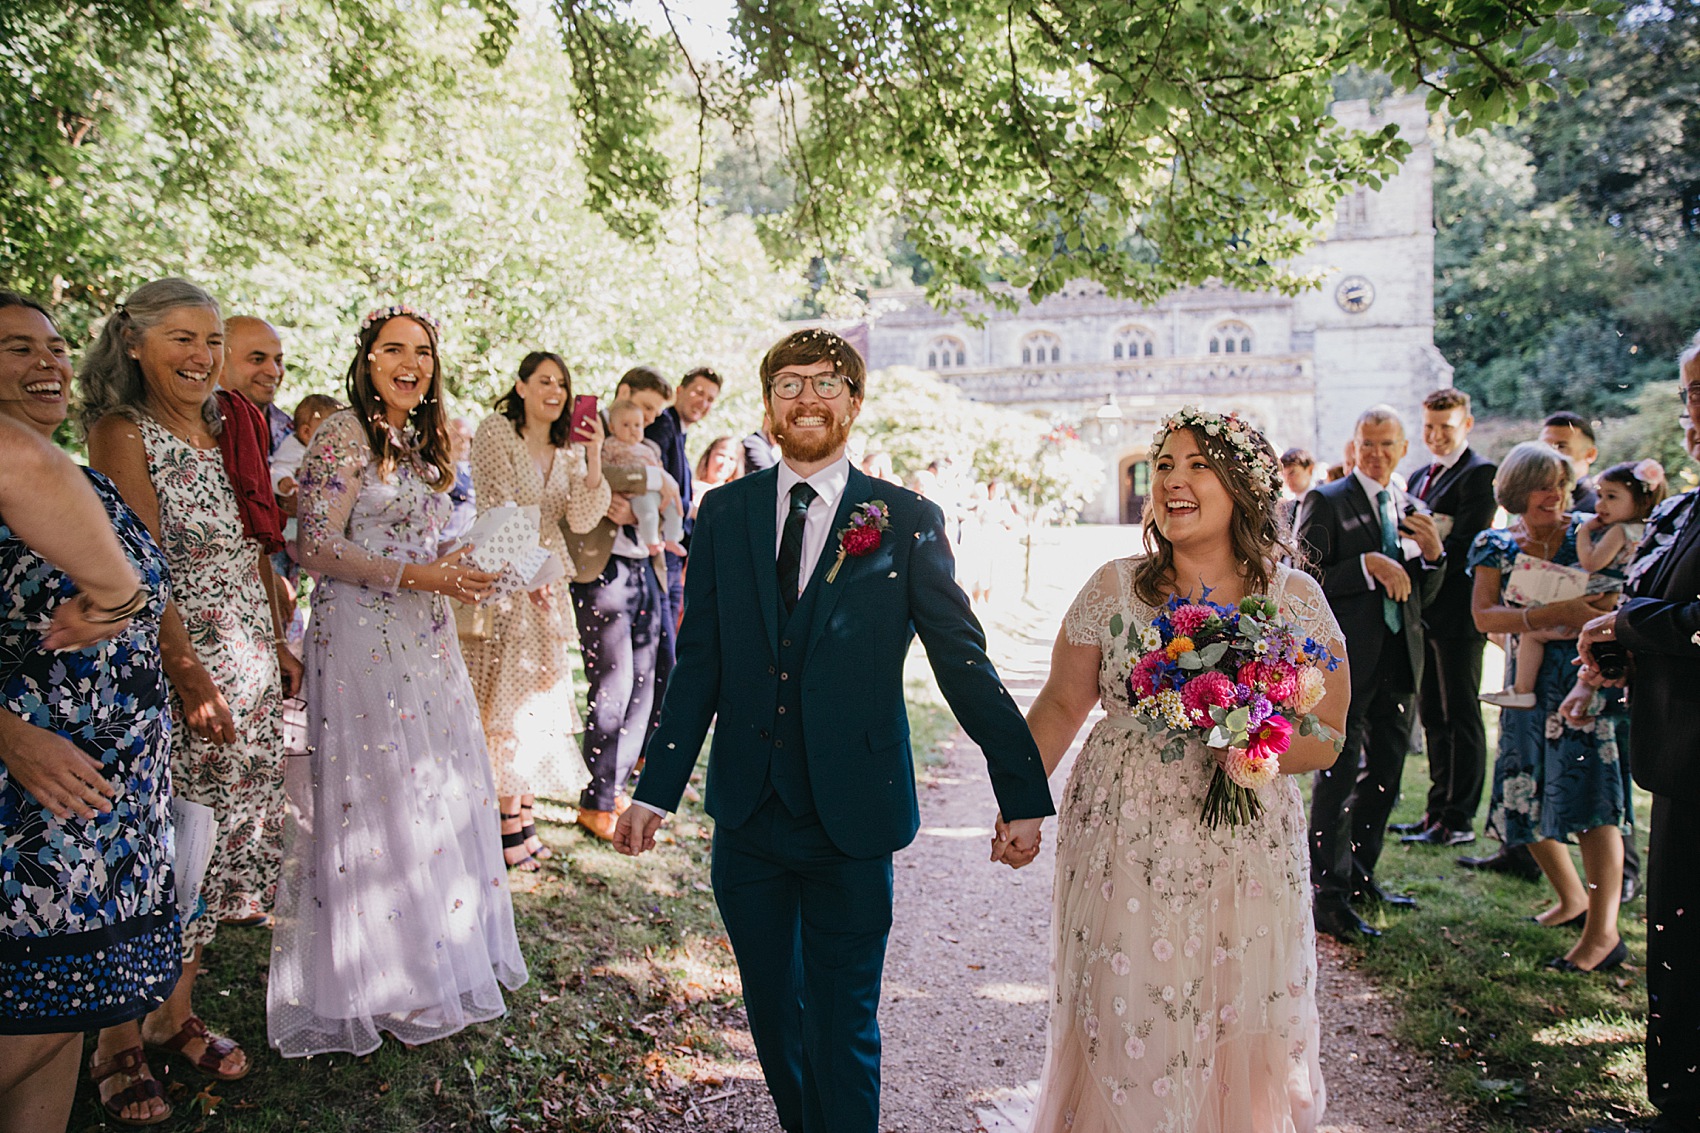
(810, 778)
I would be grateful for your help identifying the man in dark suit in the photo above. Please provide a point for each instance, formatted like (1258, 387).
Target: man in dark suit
(792, 646)
(1379, 559)
(1659, 626)
(697, 392)
(1573, 437)
(1459, 485)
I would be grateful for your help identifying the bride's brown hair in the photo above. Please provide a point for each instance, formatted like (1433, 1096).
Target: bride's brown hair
(1248, 469)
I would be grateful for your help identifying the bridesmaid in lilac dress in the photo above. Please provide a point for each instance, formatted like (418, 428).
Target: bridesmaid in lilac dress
(393, 913)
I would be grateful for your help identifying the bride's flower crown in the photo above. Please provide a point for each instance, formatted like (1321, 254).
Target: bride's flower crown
(384, 314)
(1241, 436)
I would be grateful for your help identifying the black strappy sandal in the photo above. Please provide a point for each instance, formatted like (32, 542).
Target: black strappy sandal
(527, 863)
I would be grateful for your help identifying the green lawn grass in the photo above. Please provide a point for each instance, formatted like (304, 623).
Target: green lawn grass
(1523, 1047)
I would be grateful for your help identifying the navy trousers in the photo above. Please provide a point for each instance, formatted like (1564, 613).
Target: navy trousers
(619, 628)
(808, 925)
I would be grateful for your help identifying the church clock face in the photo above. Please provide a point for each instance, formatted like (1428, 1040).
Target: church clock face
(1354, 294)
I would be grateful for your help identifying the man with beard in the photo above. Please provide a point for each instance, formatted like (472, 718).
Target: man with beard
(803, 596)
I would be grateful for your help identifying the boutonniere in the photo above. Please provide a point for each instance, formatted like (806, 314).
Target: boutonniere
(863, 534)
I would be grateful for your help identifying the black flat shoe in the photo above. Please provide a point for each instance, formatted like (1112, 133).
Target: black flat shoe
(1438, 835)
(1574, 922)
(1614, 959)
(1416, 827)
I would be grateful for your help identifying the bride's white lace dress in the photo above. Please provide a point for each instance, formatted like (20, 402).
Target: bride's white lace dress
(1184, 961)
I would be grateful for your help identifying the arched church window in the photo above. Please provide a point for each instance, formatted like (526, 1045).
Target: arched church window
(1230, 338)
(946, 352)
(1040, 347)
(1134, 342)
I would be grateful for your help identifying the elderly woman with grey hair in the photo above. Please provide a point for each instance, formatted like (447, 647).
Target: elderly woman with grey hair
(1553, 779)
(158, 430)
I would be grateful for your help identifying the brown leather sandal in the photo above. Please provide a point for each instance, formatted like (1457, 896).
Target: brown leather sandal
(218, 1048)
(133, 1064)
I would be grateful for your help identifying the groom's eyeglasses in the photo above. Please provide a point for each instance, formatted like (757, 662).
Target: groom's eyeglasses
(788, 387)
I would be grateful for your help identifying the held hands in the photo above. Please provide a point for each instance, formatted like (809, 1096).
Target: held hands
(59, 774)
(1421, 527)
(1390, 575)
(452, 578)
(1016, 843)
(635, 830)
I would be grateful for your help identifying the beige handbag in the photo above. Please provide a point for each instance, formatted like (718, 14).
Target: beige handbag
(472, 623)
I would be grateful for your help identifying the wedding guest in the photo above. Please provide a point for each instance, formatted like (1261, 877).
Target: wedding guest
(1552, 781)
(286, 461)
(620, 603)
(462, 492)
(660, 521)
(1298, 477)
(1350, 532)
(1659, 625)
(253, 367)
(720, 463)
(1457, 484)
(1184, 982)
(393, 912)
(695, 396)
(521, 667)
(1572, 436)
(192, 467)
(89, 935)
(760, 449)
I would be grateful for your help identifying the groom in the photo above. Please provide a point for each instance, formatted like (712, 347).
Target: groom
(792, 647)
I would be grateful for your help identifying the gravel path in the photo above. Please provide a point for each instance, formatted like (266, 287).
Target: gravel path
(967, 970)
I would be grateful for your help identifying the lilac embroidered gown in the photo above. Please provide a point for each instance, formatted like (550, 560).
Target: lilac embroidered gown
(393, 912)
(1184, 961)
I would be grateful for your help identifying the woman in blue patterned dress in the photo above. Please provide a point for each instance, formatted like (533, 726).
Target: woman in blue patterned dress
(89, 935)
(1553, 780)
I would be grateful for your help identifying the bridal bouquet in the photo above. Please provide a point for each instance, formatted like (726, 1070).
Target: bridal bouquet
(1241, 678)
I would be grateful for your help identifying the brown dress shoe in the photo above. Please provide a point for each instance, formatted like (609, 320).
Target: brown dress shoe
(599, 823)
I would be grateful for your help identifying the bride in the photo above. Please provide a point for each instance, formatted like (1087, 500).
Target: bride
(1184, 960)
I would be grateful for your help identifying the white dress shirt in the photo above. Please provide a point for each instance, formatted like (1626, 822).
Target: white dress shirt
(829, 484)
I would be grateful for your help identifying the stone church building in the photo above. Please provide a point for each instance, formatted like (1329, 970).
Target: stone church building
(1299, 367)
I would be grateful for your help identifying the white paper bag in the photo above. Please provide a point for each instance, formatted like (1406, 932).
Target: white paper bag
(1536, 582)
(195, 828)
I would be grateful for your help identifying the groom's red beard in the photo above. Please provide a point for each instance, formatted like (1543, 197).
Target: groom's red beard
(815, 445)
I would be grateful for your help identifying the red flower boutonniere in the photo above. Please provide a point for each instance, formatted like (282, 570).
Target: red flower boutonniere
(862, 537)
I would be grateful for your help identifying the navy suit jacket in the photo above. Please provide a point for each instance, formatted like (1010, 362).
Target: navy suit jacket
(856, 729)
(1660, 625)
(1337, 525)
(1465, 492)
(668, 432)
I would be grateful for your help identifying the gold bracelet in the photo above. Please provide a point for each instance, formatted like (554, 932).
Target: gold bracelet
(117, 613)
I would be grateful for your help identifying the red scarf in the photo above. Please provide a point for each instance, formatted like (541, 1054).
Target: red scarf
(245, 445)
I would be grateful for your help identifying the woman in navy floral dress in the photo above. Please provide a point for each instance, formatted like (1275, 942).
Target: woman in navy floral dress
(1553, 780)
(89, 934)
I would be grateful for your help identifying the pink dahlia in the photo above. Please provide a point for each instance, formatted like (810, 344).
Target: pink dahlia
(1189, 619)
(1275, 679)
(1270, 738)
(1207, 690)
(1143, 679)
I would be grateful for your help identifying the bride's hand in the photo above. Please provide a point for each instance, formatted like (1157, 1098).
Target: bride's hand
(1016, 843)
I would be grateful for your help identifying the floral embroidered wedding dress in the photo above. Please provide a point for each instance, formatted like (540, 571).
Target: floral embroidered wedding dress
(1184, 958)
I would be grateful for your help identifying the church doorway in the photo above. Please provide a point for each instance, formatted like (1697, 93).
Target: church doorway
(1134, 488)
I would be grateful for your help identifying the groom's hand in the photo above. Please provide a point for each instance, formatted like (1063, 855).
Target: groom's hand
(635, 831)
(1016, 843)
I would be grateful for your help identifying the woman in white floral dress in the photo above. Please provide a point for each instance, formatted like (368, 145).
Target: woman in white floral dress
(393, 912)
(1184, 968)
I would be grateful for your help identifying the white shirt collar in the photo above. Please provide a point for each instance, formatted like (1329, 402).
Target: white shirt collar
(1372, 489)
(1453, 458)
(829, 483)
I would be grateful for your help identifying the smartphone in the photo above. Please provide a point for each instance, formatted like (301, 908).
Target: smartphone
(584, 411)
